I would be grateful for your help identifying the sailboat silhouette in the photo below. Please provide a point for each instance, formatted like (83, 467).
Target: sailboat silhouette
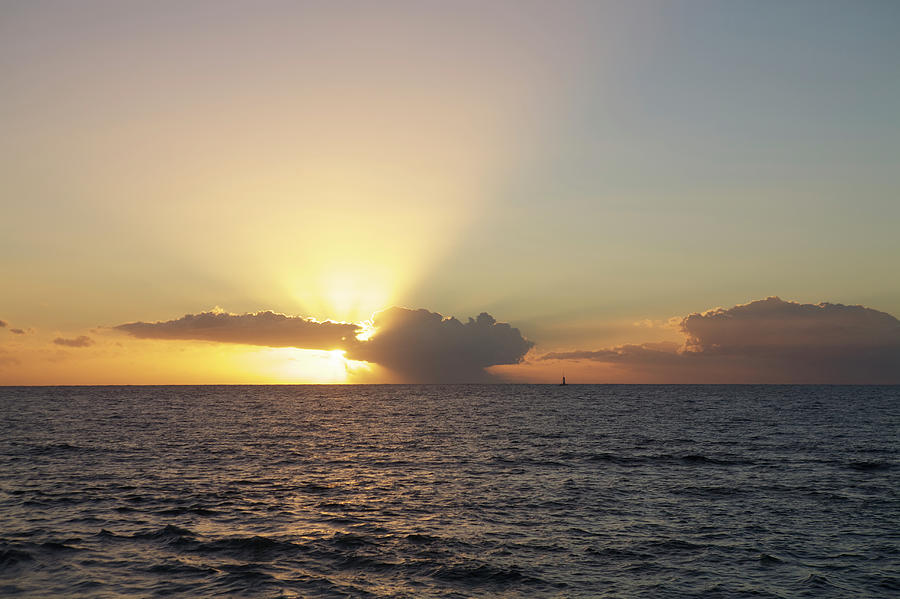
(563, 384)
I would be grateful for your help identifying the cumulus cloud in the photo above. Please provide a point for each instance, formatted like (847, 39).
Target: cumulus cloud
(424, 346)
(416, 345)
(80, 341)
(261, 328)
(769, 340)
(775, 323)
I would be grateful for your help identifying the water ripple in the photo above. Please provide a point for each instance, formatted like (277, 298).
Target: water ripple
(450, 491)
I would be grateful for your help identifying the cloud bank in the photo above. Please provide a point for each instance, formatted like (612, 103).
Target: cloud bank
(768, 341)
(2, 324)
(80, 341)
(415, 345)
(763, 341)
(262, 328)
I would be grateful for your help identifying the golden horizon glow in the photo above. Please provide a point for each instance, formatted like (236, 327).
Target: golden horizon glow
(112, 359)
(313, 366)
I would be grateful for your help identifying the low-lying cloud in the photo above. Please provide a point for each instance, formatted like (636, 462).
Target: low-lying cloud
(768, 340)
(261, 328)
(649, 352)
(423, 346)
(775, 323)
(764, 341)
(416, 345)
(80, 341)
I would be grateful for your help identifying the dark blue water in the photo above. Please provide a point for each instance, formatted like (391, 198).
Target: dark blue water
(450, 491)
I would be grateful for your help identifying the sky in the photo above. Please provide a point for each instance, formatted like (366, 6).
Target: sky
(330, 192)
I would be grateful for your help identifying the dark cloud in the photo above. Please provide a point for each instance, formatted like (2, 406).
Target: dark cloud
(17, 331)
(648, 352)
(80, 341)
(416, 345)
(262, 328)
(423, 346)
(2, 323)
(769, 340)
(775, 323)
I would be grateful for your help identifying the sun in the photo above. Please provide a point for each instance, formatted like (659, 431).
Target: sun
(367, 329)
(299, 366)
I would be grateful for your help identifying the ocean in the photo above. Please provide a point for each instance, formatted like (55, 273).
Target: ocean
(450, 491)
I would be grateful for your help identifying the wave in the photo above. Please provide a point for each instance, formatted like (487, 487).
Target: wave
(870, 466)
(169, 531)
(10, 557)
(690, 459)
(618, 553)
(59, 546)
(421, 539)
(15, 555)
(672, 546)
(890, 582)
(195, 509)
(255, 547)
(483, 574)
(180, 568)
(238, 578)
(53, 448)
(709, 491)
(317, 489)
(345, 540)
(817, 581)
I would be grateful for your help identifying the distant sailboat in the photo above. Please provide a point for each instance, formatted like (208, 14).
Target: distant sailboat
(563, 384)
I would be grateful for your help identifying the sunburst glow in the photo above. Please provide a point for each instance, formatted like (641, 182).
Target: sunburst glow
(367, 330)
(290, 365)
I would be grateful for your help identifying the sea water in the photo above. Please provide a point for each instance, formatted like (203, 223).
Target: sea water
(450, 491)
